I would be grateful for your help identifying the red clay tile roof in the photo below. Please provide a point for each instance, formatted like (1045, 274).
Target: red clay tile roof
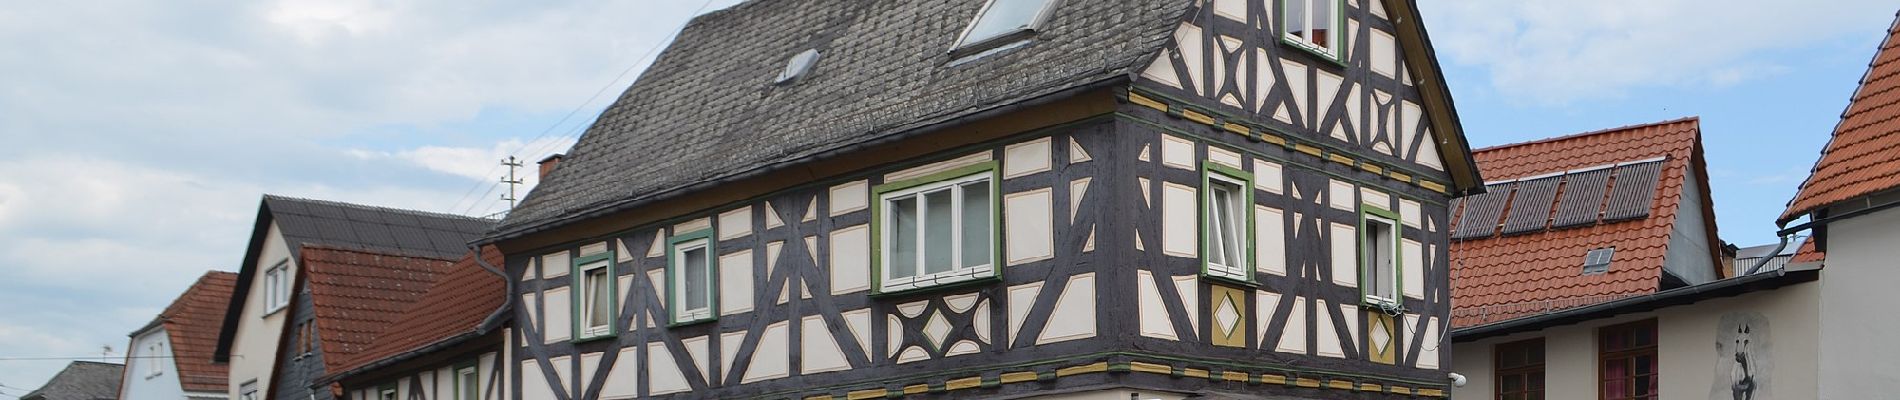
(458, 303)
(1863, 158)
(192, 323)
(1501, 277)
(359, 294)
(1808, 253)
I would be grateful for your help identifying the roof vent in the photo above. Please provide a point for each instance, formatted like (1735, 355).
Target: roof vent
(1598, 261)
(799, 65)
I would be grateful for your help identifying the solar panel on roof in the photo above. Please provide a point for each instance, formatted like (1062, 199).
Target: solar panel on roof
(1634, 191)
(1582, 201)
(1530, 211)
(1483, 211)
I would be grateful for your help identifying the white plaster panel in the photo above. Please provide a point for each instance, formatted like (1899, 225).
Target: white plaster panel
(772, 219)
(532, 271)
(563, 367)
(620, 252)
(1153, 312)
(1341, 195)
(1412, 256)
(699, 352)
(1428, 155)
(693, 225)
(593, 248)
(1408, 129)
(849, 197)
(1269, 226)
(859, 321)
(1162, 71)
(1078, 190)
(1265, 304)
(729, 344)
(1296, 80)
(770, 361)
(1266, 176)
(1021, 299)
(1385, 54)
(1225, 157)
(1189, 288)
(1327, 91)
(1177, 152)
(1351, 313)
(1263, 79)
(1345, 255)
(819, 351)
(532, 387)
(534, 314)
(1293, 337)
(1180, 222)
(590, 362)
(1027, 157)
(559, 315)
(1188, 40)
(850, 259)
(1428, 354)
(1029, 221)
(927, 169)
(1409, 213)
(663, 372)
(1074, 315)
(622, 380)
(1323, 331)
(555, 265)
(658, 247)
(1375, 198)
(1231, 9)
(736, 223)
(625, 283)
(656, 279)
(1077, 154)
(735, 282)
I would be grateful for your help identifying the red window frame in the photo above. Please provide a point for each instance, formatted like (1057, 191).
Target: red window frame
(1627, 362)
(1520, 370)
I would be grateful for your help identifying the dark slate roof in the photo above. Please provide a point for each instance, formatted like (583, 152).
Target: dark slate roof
(81, 380)
(337, 225)
(708, 109)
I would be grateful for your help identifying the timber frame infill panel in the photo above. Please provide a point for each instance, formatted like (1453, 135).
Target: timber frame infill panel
(794, 240)
(411, 379)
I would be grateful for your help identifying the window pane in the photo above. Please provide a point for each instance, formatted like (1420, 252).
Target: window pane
(1512, 383)
(602, 295)
(1004, 17)
(903, 236)
(976, 224)
(696, 290)
(1296, 17)
(1382, 261)
(1323, 20)
(939, 226)
(470, 388)
(1218, 226)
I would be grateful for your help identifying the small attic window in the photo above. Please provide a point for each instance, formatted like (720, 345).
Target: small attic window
(1002, 22)
(798, 66)
(1598, 261)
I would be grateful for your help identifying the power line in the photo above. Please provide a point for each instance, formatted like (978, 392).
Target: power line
(637, 62)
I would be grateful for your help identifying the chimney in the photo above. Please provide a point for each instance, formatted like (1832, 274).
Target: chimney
(547, 164)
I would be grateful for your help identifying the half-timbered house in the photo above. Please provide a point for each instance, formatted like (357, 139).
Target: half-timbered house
(999, 199)
(317, 282)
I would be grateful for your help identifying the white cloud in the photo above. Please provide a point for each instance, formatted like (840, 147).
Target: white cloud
(1553, 52)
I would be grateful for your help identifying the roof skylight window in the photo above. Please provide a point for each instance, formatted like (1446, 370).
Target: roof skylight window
(1004, 21)
(798, 66)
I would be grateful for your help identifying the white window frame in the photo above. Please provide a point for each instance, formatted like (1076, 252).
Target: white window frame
(1238, 224)
(248, 390)
(958, 273)
(967, 44)
(1609, 257)
(386, 393)
(1369, 287)
(1336, 30)
(465, 376)
(155, 358)
(585, 289)
(277, 287)
(702, 240)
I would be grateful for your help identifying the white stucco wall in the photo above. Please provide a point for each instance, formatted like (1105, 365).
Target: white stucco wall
(1689, 255)
(144, 382)
(1687, 350)
(254, 346)
(1859, 351)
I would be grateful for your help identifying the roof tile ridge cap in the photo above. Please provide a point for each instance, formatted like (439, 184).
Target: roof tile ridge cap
(1693, 118)
(370, 207)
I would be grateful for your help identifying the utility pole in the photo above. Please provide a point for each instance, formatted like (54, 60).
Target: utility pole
(511, 180)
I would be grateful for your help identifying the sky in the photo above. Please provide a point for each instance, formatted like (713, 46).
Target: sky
(140, 135)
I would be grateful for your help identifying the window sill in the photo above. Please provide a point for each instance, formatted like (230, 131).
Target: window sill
(975, 280)
(1331, 57)
(693, 321)
(595, 338)
(1224, 278)
(1375, 303)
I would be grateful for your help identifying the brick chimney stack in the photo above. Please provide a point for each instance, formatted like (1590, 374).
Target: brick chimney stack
(547, 164)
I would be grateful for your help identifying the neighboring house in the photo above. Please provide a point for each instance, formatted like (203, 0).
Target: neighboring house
(1799, 331)
(267, 327)
(1584, 219)
(995, 199)
(444, 345)
(81, 380)
(170, 358)
(1776, 254)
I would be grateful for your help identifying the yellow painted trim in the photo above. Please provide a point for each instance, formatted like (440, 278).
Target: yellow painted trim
(1400, 390)
(1194, 373)
(1150, 368)
(1374, 169)
(1083, 369)
(1140, 100)
(1238, 129)
(865, 394)
(1191, 115)
(1014, 377)
(1273, 379)
(1431, 392)
(1232, 376)
(965, 383)
(1306, 383)
(1433, 186)
(916, 389)
(1339, 384)
(1369, 387)
(1272, 138)
(1399, 176)
(819, 397)
(1341, 159)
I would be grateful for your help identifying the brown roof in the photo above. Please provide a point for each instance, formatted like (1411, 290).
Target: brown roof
(457, 303)
(191, 322)
(1497, 277)
(1863, 158)
(358, 294)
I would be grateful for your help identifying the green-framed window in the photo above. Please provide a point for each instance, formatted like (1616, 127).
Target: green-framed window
(1318, 26)
(1380, 275)
(468, 384)
(692, 276)
(596, 287)
(1227, 242)
(386, 392)
(937, 230)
